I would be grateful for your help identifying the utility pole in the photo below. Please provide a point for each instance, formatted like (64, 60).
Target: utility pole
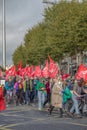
(3, 36)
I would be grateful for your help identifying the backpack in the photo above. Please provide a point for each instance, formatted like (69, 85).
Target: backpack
(20, 86)
(67, 95)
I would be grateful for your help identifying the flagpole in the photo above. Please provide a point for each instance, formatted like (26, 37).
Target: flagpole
(3, 37)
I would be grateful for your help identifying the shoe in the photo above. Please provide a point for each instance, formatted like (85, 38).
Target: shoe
(39, 109)
(78, 116)
(69, 114)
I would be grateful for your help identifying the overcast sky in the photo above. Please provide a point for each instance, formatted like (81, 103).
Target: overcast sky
(21, 15)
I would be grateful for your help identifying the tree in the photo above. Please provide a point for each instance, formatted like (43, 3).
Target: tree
(63, 30)
(67, 27)
(20, 54)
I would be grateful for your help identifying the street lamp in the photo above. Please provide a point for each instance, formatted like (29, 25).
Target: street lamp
(3, 36)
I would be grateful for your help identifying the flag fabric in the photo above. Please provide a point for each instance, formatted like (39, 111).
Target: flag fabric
(32, 72)
(50, 70)
(22, 72)
(20, 65)
(26, 70)
(11, 71)
(19, 71)
(65, 76)
(81, 72)
(53, 68)
(37, 71)
(45, 71)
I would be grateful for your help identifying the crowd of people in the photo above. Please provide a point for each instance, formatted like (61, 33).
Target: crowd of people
(69, 95)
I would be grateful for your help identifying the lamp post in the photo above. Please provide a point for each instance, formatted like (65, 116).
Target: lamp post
(3, 36)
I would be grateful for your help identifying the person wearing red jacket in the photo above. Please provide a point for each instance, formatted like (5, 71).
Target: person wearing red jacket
(2, 101)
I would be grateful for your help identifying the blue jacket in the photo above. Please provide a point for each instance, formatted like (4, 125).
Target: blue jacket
(9, 85)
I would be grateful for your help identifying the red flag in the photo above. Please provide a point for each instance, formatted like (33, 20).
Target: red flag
(37, 71)
(22, 72)
(65, 76)
(45, 72)
(81, 72)
(19, 68)
(20, 65)
(26, 70)
(32, 72)
(53, 68)
(11, 71)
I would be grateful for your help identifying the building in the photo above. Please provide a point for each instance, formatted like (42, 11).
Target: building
(71, 64)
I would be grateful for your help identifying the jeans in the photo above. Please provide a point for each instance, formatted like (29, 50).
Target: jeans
(27, 96)
(48, 99)
(75, 104)
(41, 99)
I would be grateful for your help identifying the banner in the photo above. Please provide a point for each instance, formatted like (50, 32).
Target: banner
(37, 71)
(53, 68)
(19, 68)
(45, 71)
(11, 71)
(65, 76)
(81, 72)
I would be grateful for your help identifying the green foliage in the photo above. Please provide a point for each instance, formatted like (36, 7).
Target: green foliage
(63, 30)
(20, 55)
(35, 44)
(67, 29)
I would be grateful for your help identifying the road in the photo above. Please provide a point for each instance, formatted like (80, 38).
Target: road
(29, 118)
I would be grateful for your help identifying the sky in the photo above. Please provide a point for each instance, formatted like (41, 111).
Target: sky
(21, 15)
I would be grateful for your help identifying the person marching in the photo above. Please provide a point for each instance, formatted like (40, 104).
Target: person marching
(41, 88)
(56, 96)
(2, 100)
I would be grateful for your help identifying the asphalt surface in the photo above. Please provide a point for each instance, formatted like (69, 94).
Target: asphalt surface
(29, 118)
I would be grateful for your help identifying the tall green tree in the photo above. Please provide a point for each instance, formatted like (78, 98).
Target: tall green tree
(35, 43)
(63, 30)
(20, 55)
(67, 27)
